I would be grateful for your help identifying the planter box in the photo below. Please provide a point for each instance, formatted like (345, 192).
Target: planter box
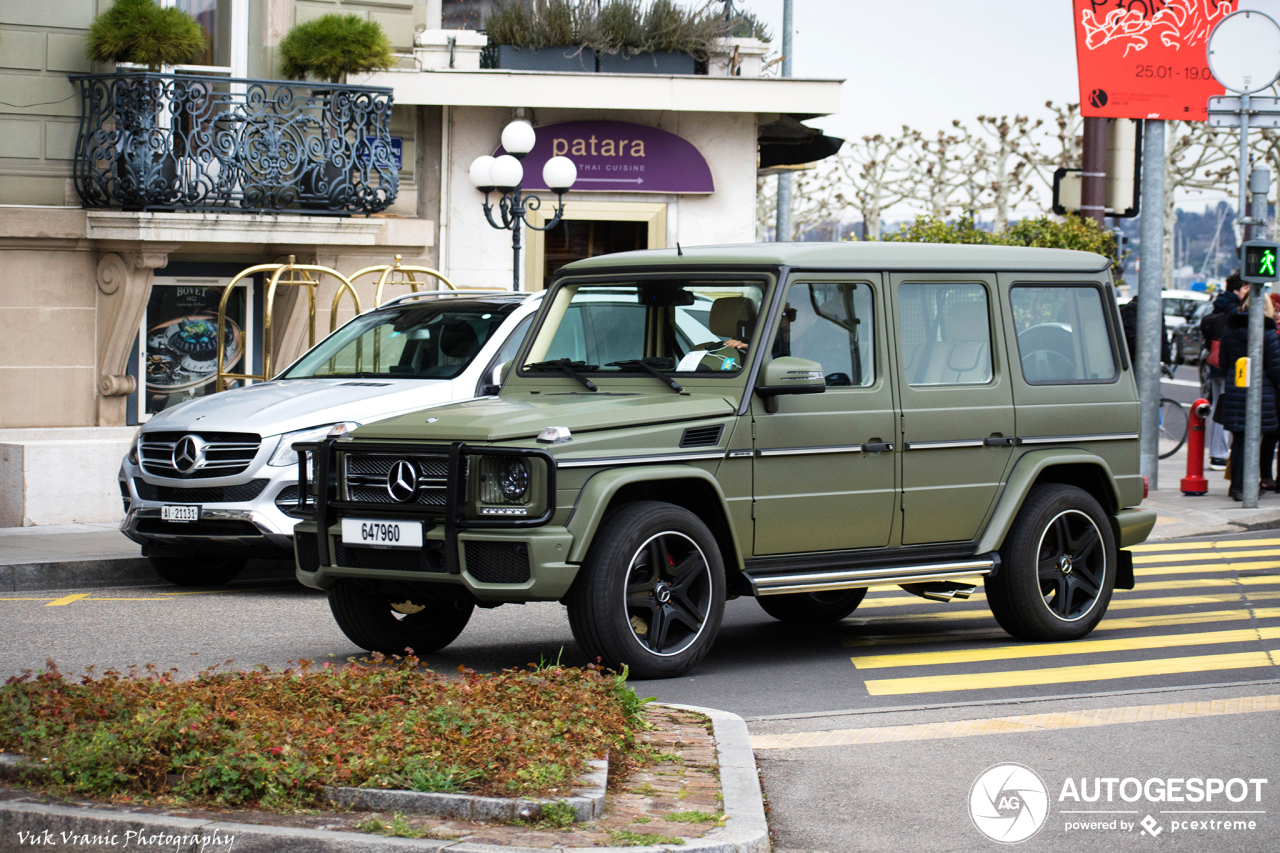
(432, 49)
(737, 57)
(664, 62)
(571, 59)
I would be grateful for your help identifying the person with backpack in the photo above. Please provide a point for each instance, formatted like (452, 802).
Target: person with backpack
(1230, 410)
(1226, 303)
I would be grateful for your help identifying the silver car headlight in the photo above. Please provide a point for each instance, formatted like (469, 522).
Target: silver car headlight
(285, 454)
(132, 455)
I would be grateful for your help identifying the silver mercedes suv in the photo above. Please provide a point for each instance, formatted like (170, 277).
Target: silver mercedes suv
(210, 483)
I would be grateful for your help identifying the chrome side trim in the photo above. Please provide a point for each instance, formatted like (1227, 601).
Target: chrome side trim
(809, 451)
(943, 445)
(854, 578)
(613, 461)
(1075, 439)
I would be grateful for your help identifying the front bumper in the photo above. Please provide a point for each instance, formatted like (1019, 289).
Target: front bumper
(497, 560)
(256, 527)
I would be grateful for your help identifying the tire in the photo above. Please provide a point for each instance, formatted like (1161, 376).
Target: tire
(651, 564)
(196, 569)
(378, 623)
(1173, 426)
(1035, 596)
(812, 607)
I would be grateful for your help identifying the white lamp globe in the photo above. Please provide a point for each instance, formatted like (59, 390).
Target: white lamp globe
(559, 173)
(518, 138)
(507, 173)
(482, 172)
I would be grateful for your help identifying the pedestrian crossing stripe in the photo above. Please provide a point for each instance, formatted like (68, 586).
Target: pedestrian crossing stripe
(1204, 568)
(1077, 647)
(956, 682)
(1122, 600)
(1145, 559)
(1108, 624)
(1191, 546)
(1020, 723)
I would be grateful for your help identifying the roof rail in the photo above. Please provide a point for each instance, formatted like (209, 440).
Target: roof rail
(442, 293)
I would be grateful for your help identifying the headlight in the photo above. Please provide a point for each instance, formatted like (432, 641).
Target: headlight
(285, 455)
(132, 455)
(503, 480)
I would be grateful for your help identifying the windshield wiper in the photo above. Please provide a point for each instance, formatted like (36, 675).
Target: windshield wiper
(566, 366)
(648, 368)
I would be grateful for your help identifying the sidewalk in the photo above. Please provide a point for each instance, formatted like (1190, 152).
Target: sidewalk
(1179, 515)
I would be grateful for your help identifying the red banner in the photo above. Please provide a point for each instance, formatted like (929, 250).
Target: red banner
(1146, 58)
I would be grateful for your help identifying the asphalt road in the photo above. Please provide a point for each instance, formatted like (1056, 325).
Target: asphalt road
(1203, 613)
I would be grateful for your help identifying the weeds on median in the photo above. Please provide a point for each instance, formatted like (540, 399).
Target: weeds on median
(277, 739)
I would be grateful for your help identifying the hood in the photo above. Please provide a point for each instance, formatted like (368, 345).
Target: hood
(1225, 301)
(270, 408)
(524, 416)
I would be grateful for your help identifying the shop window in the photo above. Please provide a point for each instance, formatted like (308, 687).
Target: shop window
(573, 239)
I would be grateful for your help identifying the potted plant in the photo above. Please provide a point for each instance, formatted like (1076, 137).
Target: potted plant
(142, 33)
(329, 48)
(547, 35)
(662, 38)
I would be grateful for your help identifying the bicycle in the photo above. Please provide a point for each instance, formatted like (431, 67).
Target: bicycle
(1173, 425)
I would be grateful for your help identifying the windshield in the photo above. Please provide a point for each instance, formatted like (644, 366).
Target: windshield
(674, 326)
(432, 341)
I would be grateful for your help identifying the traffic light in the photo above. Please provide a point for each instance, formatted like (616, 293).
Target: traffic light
(1259, 261)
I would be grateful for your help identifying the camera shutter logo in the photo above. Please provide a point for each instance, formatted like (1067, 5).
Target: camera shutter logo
(402, 481)
(1009, 803)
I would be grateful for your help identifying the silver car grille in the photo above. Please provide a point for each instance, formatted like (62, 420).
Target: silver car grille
(225, 453)
(365, 478)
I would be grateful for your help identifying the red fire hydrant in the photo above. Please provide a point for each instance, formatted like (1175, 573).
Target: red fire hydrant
(1195, 483)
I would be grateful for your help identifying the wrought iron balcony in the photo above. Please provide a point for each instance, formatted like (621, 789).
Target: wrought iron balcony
(184, 142)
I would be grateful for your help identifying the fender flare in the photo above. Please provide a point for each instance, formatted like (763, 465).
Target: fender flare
(1024, 475)
(594, 499)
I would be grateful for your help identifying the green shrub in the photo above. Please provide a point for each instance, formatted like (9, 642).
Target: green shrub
(745, 25)
(332, 46)
(139, 31)
(616, 26)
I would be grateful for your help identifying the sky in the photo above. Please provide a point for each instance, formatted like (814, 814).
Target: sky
(926, 62)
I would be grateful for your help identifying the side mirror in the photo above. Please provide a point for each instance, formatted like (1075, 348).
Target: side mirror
(789, 375)
(496, 377)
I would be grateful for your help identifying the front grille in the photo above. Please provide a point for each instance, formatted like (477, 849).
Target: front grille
(308, 552)
(204, 527)
(703, 436)
(429, 558)
(204, 495)
(365, 478)
(226, 453)
(124, 494)
(498, 562)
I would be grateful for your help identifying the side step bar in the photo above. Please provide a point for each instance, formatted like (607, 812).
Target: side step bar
(833, 579)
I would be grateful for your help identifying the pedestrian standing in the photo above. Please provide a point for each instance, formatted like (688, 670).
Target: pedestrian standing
(1230, 411)
(1225, 304)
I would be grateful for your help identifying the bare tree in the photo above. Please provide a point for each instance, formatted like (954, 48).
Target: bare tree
(1064, 149)
(1003, 159)
(940, 172)
(815, 201)
(875, 174)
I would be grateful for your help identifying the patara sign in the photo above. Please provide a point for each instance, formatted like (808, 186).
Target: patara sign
(616, 156)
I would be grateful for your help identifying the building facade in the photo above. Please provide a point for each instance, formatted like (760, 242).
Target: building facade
(113, 255)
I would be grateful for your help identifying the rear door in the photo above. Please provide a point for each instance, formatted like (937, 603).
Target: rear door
(957, 426)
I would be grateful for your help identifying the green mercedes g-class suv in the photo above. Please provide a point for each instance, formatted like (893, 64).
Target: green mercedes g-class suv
(794, 422)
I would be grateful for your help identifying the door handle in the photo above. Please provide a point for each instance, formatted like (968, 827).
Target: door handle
(998, 441)
(878, 447)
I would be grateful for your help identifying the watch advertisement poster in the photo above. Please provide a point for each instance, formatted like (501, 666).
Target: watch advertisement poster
(180, 340)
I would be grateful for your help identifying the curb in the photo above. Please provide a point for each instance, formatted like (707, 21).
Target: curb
(107, 572)
(108, 830)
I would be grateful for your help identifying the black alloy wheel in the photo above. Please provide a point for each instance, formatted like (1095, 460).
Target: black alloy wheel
(668, 593)
(1057, 566)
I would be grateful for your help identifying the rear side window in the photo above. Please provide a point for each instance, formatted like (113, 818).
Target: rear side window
(1062, 334)
(946, 334)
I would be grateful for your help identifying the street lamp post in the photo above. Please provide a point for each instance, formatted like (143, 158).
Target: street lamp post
(505, 174)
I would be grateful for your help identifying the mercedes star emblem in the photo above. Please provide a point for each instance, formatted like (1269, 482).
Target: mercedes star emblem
(189, 454)
(402, 481)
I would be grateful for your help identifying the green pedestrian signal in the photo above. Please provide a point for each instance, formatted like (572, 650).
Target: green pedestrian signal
(1259, 261)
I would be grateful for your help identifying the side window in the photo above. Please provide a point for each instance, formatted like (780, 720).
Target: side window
(946, 334)
(1062, 334)
(831, 323)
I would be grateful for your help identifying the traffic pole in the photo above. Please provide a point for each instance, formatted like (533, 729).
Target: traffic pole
(1259, 183)
(782, 224)
(1150, 283)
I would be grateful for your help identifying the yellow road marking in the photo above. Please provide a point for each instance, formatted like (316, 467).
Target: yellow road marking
(1191, 546)
(1202, 568)
(1065, 674)
(1021, 723)
(67, 599)
(1192, 583)
(1145, 559)
(1157, 620)
(1079, 647)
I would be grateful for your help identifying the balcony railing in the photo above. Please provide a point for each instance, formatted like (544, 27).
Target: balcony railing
(184, 142)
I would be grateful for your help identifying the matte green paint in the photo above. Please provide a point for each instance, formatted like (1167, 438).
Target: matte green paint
(1133, 526)
(1024, 475)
